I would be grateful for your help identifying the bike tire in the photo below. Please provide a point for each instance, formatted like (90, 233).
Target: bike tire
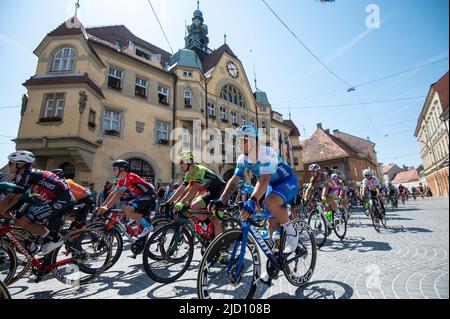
(115, 237)
(319, 226)
(150, 268)
(306, 233)
(7, 271)
(79, 257)
(375, 219)
(343, 224)
(4, 293)
(212, 258)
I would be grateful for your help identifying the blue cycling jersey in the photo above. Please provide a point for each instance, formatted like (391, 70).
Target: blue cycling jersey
(247, 189)
(269, 163)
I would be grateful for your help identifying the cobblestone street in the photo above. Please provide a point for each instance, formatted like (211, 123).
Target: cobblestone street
(408, 260)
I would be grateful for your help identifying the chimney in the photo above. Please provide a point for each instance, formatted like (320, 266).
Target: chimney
(328, 131)
(335, 131)
(319, 125)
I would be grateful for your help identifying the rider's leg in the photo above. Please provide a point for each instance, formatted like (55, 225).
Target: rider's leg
(200, 203)
(33, 228)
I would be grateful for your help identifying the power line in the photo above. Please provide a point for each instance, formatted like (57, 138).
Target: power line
(306, 47)
(354, 104)
(160, 25)
(10, 107)
(399, 73)
(6, 136)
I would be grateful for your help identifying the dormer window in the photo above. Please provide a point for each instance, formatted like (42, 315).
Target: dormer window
(187, 74)
(143, 54)
(64, 59)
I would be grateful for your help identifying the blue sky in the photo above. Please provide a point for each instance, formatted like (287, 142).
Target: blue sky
(412, 33)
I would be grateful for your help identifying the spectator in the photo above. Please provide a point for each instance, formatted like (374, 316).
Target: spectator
(104, 194)
(94, 194)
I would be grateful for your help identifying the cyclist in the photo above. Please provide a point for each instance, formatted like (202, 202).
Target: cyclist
(402, 192)
(44, 216)
(200, 186)
(392, 192)
(421, 190)
(275, 179)
(83, 200)
(371, 184)
(342, 190)
(141, 196)
(320, 181)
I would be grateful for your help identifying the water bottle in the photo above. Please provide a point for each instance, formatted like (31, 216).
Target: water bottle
(329, 216)
(276, 241)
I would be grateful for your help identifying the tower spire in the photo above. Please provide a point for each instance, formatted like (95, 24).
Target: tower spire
(290, 115)
(77, 6)
(198, 4)
(225, 38)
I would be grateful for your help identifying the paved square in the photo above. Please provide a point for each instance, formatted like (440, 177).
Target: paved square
(408, 260)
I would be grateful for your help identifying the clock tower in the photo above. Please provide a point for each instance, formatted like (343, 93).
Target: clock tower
(197, 36)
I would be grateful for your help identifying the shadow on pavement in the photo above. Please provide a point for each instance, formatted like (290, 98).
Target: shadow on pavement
(355, 243)
(179, 291)
(322, 289)
(401, 229)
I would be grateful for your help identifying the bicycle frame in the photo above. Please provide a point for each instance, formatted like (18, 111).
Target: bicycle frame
(5, 231)
(128, 231)
(247, 229)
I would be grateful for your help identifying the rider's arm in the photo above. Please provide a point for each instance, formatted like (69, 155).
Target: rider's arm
(177, 195)
(190, 194)
(363, 191)
(113, 197)
(230, 188)
(9, 201)
(261, 187)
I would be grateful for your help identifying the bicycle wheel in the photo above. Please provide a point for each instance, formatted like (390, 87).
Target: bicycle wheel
(374, 216)
(84, 256)
(4, 294)
(176, 247)
(8, 262)
(116, 240)
(231, 224)
(319, 227)
(215, 281)
(299, 267)
(383, 219)
(340, 225)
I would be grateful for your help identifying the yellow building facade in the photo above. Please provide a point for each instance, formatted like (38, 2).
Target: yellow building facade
(100, 94)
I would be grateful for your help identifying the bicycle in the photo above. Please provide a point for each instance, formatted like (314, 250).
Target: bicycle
(376, 213)
(173, 245)
(240, 269)
(323, 227)
(116, 226)
(4, 293)
(83, 250)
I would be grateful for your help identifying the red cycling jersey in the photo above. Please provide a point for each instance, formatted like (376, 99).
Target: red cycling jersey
(135, 185)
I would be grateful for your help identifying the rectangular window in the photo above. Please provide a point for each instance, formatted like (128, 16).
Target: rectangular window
(187, 74)
(243, 119)
(115, 78)
(264, 124)
(252, 121)
(92, 118)
(111, 122)
(223, 114)
(211, 109)
(187, 98)
(163, 95)
(234, 118)
(162, 132)
(141, 87)
(143, 54)
(53, 107)
(295, 161)
(186, 138)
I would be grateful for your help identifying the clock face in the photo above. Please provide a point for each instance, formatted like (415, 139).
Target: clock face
(233, 70)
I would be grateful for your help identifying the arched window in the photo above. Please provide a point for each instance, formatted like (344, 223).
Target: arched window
(143, 169)
(63, 60)
(69, 170)
(233, 95)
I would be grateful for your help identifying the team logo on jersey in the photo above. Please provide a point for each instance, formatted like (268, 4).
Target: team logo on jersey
(57, 206)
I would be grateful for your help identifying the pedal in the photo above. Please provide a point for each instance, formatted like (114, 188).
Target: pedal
(267, 282)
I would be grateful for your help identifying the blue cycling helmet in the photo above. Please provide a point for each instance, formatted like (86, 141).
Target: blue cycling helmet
(248, 131)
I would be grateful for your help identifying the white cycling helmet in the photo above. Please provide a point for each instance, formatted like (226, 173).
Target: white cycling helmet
(314, 167)
(248, 131)
(334, 176)
(368, 172)
(22, 157)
